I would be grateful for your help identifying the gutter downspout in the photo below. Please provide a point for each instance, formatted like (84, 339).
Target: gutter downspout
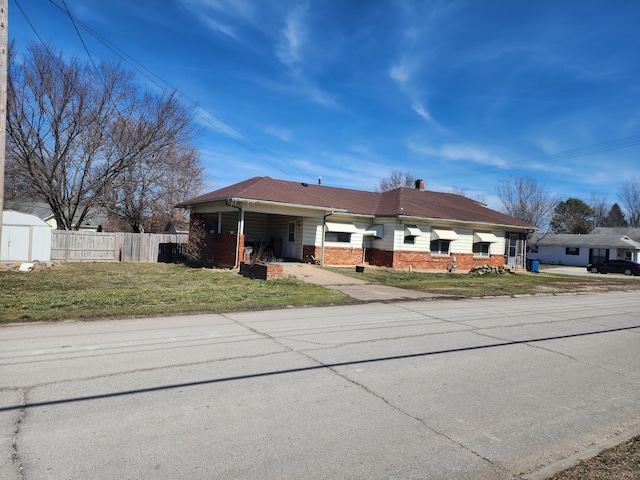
(324, 224)
(240, 225)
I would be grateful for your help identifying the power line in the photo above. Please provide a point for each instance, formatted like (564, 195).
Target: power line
(578, 152)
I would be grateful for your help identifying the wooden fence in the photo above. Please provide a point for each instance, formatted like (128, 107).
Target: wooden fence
(116, 247)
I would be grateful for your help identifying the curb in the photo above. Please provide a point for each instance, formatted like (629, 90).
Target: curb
(586, 454)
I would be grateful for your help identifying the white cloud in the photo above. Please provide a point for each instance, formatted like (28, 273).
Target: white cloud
(289, 50)
(420, 110)
(403, 73)
(283, 134)
(223, 16)
(400, 74)
(460, 152)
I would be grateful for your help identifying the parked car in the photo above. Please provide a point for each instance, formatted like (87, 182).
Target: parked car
(615, 266)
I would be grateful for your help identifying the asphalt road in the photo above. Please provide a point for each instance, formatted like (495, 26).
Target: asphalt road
(476, 388)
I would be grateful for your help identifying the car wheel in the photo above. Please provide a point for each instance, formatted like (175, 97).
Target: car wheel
(594, 270)
(627, 271)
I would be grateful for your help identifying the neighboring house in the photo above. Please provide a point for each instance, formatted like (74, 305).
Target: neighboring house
(402, 228)
(632, 233)
(178, 227)
(581, 250)
(92, 222)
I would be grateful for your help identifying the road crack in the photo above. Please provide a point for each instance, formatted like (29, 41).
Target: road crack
(366, 389)
(15, 451)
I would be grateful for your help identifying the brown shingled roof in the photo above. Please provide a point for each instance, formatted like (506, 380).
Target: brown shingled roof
(400, 201)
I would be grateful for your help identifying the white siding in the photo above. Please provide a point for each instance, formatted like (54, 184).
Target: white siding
(558, 256)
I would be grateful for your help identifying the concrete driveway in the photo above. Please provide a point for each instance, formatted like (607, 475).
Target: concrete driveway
(579, 271)
(497, 388)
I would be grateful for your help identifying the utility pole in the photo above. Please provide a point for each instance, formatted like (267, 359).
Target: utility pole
(4, 58)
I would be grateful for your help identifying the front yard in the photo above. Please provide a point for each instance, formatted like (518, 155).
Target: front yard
(101, 290)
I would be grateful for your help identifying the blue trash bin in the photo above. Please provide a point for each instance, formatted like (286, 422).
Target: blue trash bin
(535, 266)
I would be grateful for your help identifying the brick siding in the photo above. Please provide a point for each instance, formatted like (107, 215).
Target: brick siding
(401, 259)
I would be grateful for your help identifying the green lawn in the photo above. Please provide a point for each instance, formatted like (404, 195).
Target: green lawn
(470, 285)
(99, 290)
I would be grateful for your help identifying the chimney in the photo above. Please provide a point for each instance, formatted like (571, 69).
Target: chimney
(420, 184)
(319, 180)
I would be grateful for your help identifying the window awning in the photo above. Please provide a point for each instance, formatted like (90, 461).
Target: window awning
(341, 227)
(412, 232)
(484, 237)
(374, 231)
(437, 234)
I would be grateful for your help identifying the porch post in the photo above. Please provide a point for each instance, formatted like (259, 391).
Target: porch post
(219, 230)
(324, 223)
(240, 231)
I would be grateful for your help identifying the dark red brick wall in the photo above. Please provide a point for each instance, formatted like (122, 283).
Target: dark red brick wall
(401, 259)
(220, 249)
(380, 258)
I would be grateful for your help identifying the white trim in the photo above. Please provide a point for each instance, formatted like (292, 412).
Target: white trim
(484, 237)
(437, 234)
(341, 227)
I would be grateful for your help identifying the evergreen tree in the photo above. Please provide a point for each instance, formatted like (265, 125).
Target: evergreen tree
(615, 217)
(572, 216)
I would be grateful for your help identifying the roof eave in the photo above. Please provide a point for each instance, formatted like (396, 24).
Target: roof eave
(238, 200)
(467, 222)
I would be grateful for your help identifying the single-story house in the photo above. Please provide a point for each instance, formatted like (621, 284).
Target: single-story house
(631, 232)
(403, 228)
(581, 250)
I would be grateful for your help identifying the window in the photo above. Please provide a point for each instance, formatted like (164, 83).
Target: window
(410, 234)
(292, 232)
(341, 237)
(481, 249)
(440, 247)
(572, 251)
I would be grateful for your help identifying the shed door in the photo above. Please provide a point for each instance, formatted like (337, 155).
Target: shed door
(16, 243)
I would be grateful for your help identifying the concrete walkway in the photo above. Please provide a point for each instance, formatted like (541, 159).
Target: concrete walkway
(354, 287)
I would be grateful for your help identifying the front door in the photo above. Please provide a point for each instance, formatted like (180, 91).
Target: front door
(290, 244)
(512, 254)
(598, 255)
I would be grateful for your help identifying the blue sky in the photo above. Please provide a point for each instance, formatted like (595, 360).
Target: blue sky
(463, 94)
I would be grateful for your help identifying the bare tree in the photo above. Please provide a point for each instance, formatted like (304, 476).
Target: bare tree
(600, 206)
(145, 192)
(523, 198)
(396, 179)
(73, 130)
(462, 192)
(629, 194)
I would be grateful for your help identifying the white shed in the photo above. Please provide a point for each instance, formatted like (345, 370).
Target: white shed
(25, 238)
